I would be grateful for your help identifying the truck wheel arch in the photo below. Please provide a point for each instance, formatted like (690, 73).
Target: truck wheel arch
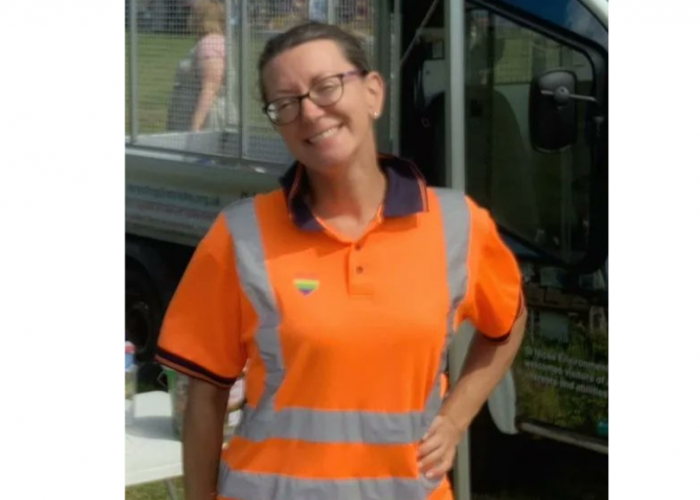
(149, 284)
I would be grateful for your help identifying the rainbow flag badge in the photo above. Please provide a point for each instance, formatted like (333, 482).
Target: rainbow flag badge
(306, 285)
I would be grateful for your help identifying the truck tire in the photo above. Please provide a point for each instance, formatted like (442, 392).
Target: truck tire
(144, 313)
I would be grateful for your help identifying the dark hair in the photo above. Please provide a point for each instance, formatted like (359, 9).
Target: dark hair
(351, 46)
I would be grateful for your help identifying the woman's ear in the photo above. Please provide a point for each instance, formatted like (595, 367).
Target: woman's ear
(375, 93)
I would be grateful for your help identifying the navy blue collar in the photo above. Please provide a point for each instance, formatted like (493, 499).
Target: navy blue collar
(406, 191)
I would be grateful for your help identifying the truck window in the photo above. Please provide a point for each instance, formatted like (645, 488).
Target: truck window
(543, 198)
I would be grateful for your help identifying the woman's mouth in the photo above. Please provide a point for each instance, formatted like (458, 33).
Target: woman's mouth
(323, 135)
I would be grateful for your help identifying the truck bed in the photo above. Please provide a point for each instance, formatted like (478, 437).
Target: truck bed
(176, 183)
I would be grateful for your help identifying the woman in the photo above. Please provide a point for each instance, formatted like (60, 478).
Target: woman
(197, 101)
(340, 293)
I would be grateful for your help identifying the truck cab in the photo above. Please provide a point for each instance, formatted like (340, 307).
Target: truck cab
(532, 121)
(534, 132)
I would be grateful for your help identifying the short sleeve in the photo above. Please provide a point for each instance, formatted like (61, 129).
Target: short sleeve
(493, 299)
(200, 336)
(211, 46)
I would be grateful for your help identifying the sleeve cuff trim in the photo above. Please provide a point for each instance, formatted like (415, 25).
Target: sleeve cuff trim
(192, 369)
(502, 338)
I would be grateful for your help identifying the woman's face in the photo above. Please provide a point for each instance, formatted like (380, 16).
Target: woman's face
(329, 136)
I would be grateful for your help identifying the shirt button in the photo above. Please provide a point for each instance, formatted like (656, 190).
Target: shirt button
(358, 246)
(359, 269)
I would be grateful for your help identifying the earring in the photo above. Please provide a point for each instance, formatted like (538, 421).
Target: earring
(375, 114)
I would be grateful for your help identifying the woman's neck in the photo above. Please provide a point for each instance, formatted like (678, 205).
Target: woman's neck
(353, 192)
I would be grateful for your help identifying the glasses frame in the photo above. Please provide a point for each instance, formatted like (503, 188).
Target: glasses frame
(300, 98)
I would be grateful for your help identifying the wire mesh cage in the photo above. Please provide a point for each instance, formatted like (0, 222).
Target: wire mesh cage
(192, 69)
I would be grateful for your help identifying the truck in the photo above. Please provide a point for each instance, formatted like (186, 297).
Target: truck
(505, 99)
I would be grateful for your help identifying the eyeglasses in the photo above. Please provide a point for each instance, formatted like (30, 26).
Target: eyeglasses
(323, 93)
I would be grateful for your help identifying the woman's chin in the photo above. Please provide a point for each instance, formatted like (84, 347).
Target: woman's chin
(324, 159)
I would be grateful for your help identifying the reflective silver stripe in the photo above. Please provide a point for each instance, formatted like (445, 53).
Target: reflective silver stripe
(250, 261)
(456, 221)
(251, 486)
(325, 426)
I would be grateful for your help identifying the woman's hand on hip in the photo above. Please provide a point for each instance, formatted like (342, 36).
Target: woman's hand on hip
(436, 451)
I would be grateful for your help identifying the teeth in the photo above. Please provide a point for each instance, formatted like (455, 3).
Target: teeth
(323, 135)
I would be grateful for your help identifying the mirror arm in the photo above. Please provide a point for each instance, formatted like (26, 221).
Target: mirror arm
(562, 96)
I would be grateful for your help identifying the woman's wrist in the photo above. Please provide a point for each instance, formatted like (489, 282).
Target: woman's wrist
(460, 406)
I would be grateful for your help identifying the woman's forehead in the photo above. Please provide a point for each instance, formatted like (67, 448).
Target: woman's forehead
(303, 64)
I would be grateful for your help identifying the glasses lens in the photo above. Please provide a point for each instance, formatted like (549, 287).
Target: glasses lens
(324, 93)
(328, 91)
(283, 111)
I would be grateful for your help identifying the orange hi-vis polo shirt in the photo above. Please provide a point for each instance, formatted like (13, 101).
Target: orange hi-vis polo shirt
(345, 341)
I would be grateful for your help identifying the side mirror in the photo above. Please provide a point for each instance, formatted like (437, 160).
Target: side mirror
(552, 113)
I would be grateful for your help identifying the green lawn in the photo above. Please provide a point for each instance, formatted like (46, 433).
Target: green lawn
(153, 491)
(158, 56)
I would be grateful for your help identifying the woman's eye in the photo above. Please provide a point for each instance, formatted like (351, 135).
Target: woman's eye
(280, 106)
(328, 87)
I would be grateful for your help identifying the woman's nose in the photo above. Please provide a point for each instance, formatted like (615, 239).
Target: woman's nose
(309, 110)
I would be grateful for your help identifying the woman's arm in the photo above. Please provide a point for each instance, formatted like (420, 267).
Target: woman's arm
(484, 366)
(495, 305)
(202, 440)
(212, 70)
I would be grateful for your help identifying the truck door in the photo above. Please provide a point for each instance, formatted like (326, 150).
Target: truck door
(550, 201)
(546, 189)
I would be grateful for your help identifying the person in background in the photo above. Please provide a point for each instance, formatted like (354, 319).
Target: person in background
(340, 292)
(197, 101)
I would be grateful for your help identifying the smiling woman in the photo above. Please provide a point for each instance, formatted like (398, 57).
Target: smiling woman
(323, 99)
(339, 292)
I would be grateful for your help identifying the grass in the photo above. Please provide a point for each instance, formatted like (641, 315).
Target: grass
(158, 56)
(153, 491)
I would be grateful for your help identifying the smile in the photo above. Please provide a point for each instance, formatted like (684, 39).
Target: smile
(324, 135)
